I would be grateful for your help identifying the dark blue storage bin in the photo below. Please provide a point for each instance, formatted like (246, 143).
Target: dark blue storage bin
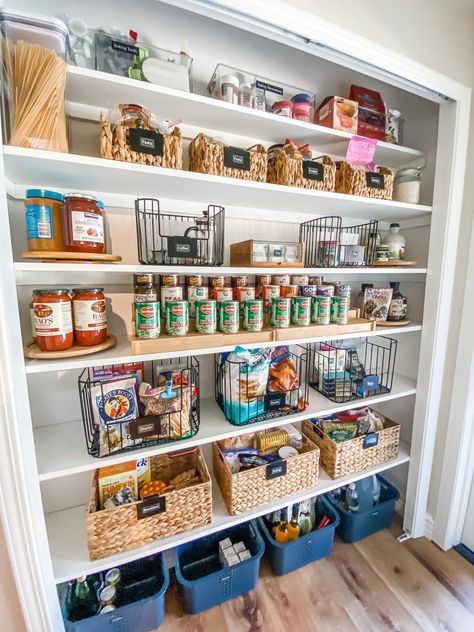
(356, 526)
(149, 575)
(288, 557)
(219, 584)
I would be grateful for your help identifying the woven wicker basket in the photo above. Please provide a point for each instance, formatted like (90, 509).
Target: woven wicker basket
(288, 170)
(251, 488)
(114, 530)
(349, 457)
(354, 182)
(207, 156)
(114, 145)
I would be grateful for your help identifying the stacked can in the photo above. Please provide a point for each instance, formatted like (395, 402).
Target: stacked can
(170, 293)
(300, 279)
(146, 307)
(195, 280)
(289, 290)
(281, 312)
(220, 294)
(340, 310)
(206, 316)
(280, 279)
(301, 311)
(196, 293)
(228, 317)
(321, 310)
(308, 290)
(242, 294)
(325, 290)
(253, 315)
(177, 318)
(270, 292)
(260, 281)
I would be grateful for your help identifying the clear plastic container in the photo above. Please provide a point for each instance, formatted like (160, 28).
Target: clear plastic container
(264, 93)
(407, 186)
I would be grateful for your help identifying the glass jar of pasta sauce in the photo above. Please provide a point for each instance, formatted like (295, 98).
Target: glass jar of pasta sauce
(90, 316)
(53, 319)
(83, 224)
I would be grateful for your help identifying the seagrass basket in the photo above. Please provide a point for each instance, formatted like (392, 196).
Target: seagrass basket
(373, 184)
(354, 455)
(185, 505)
(115, 145)
(209, 156)
(290, 171)
(256, 487)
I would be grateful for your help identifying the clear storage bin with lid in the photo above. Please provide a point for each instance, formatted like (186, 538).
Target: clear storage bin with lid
(407, 186)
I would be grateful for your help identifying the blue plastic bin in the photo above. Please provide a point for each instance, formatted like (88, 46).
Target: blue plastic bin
(151, 576)
(219, 584)
(288, 557)
(356, 526)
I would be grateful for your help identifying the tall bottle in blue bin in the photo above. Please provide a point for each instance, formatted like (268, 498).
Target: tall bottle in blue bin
(352, 498)
(368, 490)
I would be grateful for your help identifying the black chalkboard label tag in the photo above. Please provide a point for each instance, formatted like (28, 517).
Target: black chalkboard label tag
(313, 170)
(268, 87)
(145, 141)
(151, 506)
(276, 469)
(375, 180)
(123, 47)
(236, 158)
(274, 401)
(371, 440)
(317, 430)
(144, 427)
(182, 247)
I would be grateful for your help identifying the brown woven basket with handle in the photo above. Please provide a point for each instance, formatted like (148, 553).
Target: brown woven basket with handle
(252, 488)
(288, 170)
(356, 182)
(114, 145)
(207, 156)
(187, 505)
(349, 457)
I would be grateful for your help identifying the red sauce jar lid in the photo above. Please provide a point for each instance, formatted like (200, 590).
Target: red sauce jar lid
(282, 104)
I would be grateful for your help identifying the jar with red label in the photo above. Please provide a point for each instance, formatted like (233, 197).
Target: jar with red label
(90, 316)
(53, 319)
(83, 224)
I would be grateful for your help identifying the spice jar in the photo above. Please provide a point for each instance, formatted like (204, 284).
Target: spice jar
(144, 289)
(90, 316)
(283, 108)
(83, 224)
(302, 107)
(53, 319)
(230, 89)
(43, 220)
(407, 186)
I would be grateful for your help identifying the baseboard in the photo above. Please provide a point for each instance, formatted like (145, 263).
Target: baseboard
(429, 526)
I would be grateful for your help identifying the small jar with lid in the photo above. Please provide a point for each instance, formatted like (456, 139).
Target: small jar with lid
(44, 220)
(52, 310)
(90, 316)
(407, 186)
(283, 108)
(144, 288)
(83, 224)
(230, 89)
(302, 108)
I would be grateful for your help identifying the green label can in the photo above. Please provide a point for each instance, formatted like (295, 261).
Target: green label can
(321, 310)
(177, 318)
(229, 317)
(281, 309)
(147, 320)
(301, 310)
(339, 310)
(206, 317)
(196, 293)
(253, 315)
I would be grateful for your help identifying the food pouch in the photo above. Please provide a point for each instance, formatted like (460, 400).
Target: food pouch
(283, 376)
(174, 411)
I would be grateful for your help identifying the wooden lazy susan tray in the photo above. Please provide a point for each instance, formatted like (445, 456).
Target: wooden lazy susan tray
(32, 350)
(70, 257)
(393, 323)
(394, 263)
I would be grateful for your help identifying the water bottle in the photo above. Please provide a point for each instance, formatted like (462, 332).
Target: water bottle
(352, 498)
(368, 490)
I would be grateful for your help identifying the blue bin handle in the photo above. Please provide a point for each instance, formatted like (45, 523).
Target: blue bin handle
(374, 513)
(225, 578)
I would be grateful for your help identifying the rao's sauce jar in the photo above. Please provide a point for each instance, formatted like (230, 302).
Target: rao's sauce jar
(90, 316)
(53, 319)
(83, 224)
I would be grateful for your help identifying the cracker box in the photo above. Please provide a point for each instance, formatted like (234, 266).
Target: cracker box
(338, 113)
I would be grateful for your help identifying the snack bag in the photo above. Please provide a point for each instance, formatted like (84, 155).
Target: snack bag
(172, 406)
(283, 376)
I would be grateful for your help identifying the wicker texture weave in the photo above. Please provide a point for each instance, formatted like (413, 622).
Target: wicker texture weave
(114, 530)
(353, 182)
(349, 457)
(207, 156)
(248, 489)
(114, 146)
(288, 170)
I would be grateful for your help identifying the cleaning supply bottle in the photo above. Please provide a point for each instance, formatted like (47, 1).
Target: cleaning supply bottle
(352, 498)
(368, 491)
(293, 527)
(395, 242)
(398, 304)
(281, 532)
(304, 520)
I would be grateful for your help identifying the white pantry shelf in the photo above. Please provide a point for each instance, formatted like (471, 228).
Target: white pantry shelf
(68, 539)
(122, 352)
(103, 90)
(32, 273)
(61, 449)
(27, 167)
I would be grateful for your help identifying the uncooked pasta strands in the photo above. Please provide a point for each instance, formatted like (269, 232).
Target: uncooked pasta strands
(37, 80)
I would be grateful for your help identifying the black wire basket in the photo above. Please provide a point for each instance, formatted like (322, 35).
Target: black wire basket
(246, 398)
(161, 420)
(175, 239)
(329, 244)
(353, 369)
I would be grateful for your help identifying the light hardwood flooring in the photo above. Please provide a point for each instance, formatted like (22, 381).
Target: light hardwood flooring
(374, 585)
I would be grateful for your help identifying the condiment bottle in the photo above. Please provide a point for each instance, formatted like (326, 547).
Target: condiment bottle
(83, 224)
(53, 319)
(44, 220)
(395, 242)
(398, 305)
(90, 316)
(83, 603)
(281, 532)
(352, 498)
(293, 526)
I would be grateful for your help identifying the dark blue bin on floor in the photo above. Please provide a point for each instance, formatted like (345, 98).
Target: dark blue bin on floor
(356, 526)
(288, 557)
(151, 576)
(219, 584)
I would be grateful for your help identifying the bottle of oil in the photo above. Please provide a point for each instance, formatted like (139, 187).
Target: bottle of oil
(281, 532)
(293, 527)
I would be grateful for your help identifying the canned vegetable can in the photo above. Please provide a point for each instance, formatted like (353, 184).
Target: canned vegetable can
(195, 280)
(229, 317)
(147, 320)
(206, 316)
(281, 279)
(169, 280)
(170, 293)
(269, 292)
(344, 291)
(222, 293)
(289, 290)
(339, 310)
(196, 293)
(177, 318)
(300, 279)
(325, 290)
(321, 310)
(308, 290)
(281, 309)
(253, 315)
(301, 311)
